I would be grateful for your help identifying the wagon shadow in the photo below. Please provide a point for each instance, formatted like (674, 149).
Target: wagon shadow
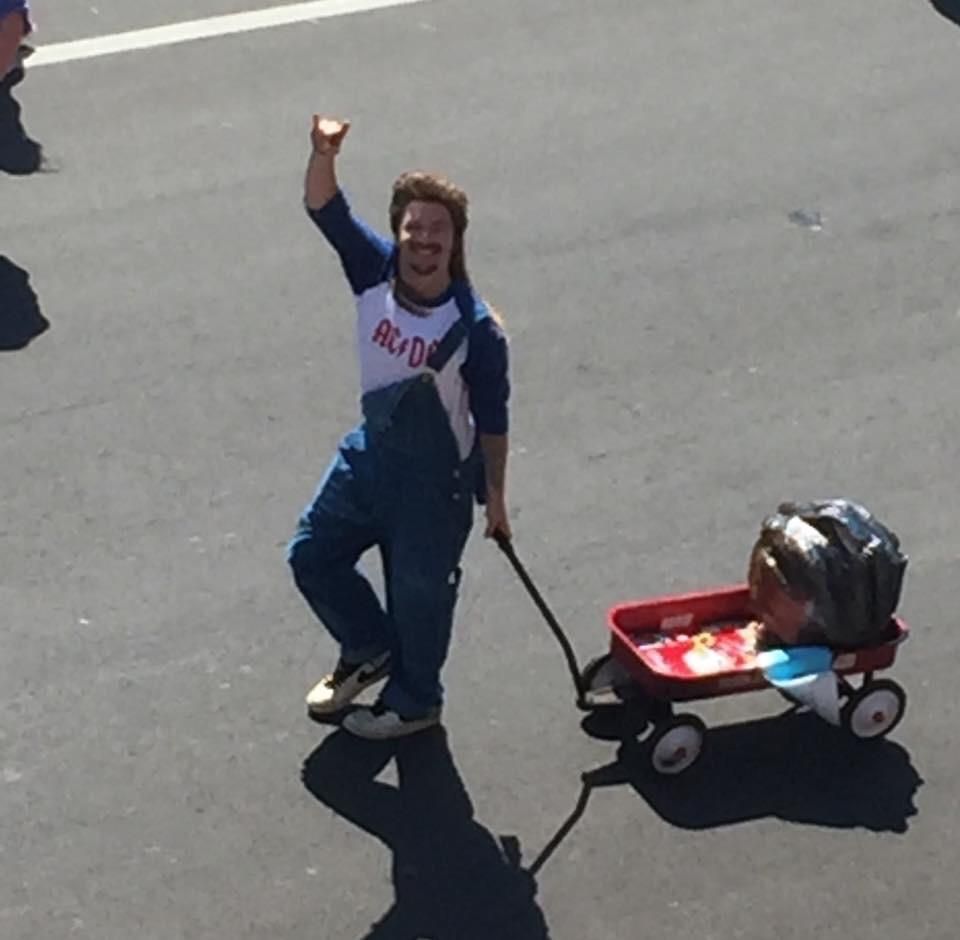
(792, 767)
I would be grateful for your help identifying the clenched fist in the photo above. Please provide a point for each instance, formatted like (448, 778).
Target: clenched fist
(327, 134)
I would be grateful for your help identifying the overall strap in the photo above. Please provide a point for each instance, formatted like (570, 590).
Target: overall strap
(452, 339)
(447, 346)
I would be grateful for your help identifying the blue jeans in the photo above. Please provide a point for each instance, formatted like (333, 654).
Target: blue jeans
(396, 483)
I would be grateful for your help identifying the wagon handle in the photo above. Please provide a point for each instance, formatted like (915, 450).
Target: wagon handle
(507, 548)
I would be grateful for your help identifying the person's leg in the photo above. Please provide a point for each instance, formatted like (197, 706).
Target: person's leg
(19, 154)
(422, 573)
(332, 534)
(12, 32)
(424, 585)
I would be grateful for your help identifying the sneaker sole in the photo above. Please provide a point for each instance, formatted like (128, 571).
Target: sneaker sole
(403, 731)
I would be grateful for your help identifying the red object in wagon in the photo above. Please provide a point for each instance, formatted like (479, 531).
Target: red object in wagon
(702, 645)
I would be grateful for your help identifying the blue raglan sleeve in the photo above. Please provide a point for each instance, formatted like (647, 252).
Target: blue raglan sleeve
(487, 374)
(365, 255)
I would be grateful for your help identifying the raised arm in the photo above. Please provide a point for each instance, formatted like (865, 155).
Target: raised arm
(365, 255)
(321, 184)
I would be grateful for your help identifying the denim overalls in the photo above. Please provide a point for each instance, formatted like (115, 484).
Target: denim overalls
(397, 482)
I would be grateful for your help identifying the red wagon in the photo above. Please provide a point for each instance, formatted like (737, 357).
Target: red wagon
(701, 645)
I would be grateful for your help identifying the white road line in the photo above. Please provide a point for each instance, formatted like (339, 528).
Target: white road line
(203, 29)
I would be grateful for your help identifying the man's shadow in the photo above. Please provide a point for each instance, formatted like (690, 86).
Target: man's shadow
(453, 880)
(792, 767)
(948, 8)
(20, 318)
(19, 154)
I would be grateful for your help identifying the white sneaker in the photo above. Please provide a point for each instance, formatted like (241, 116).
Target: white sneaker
(380, 723)
(345, 683)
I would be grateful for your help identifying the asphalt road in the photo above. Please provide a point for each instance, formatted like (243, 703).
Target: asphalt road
(686, 353)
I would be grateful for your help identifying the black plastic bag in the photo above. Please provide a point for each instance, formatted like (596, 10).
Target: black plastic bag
(843, 561)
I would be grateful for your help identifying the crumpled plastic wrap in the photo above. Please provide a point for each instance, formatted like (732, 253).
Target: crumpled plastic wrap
(826, 571)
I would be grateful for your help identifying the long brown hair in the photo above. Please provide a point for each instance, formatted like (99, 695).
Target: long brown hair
(420, 186)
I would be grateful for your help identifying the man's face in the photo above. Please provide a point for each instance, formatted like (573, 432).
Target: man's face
(425, 240)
